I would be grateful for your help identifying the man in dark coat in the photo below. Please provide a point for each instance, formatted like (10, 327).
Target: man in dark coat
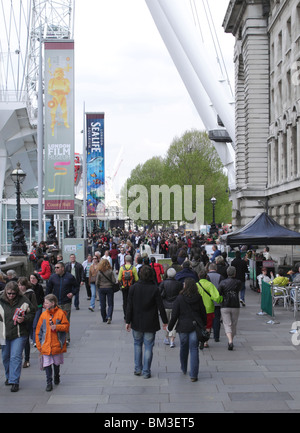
(144, 302)
(186, 272)
(64, 286)
(76, 269)
(241, 268)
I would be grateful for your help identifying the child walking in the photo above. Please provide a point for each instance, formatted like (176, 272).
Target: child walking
(51, 338)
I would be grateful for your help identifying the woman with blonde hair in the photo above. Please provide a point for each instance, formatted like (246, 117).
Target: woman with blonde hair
(104, 282)
(129, 248)
(93, 270)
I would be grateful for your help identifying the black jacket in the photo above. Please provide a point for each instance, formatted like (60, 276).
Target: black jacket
(241, 268)
(230, 289)
(169, 290)
(79, 271)
(182, 312)
(61, 286)
(144, 302)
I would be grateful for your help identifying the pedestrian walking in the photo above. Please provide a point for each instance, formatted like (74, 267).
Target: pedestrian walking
(210, 296)
(86, 268)
(104, 282)
(51, 339)
(16, 313)
(187, 306)
(39, 294)
(169, 290)
(76, 269)
(215, 278)
(26, 290)
(144, 303)
(93, 271)
(230, 306)
(241, 268)
(64, 286)
(127, 276)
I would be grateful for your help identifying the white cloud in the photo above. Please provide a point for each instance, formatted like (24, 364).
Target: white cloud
(124, 69)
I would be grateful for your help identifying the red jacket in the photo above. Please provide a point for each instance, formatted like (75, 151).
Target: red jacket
(45, 270)
(159, 270)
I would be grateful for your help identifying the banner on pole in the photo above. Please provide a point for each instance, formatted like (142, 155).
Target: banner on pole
(59, 126)
(95, 166)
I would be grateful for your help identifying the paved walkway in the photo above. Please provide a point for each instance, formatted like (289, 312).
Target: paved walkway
(261, 374)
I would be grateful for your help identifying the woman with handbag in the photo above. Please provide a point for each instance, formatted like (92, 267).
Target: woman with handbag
(105, 281)
(188, 307)
(93, 271)
(230, 307)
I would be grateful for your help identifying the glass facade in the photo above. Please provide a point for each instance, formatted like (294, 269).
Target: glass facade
(29, 213)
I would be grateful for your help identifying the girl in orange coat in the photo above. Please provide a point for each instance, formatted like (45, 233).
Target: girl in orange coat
(51, 333)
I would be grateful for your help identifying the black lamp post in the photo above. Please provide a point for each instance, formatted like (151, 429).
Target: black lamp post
(213, 224)
(19, 246)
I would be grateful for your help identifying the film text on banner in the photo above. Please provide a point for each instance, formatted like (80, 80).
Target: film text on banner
(95, 165)
(59, 126)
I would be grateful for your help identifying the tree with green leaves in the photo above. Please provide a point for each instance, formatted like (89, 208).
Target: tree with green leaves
(190, 160)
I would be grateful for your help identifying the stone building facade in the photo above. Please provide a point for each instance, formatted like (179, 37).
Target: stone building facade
(267, 87)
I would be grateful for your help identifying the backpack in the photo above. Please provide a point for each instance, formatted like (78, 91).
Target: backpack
(32, 256)
(127, 276)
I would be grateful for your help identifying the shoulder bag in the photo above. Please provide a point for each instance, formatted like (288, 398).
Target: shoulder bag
(115, 286)
(202, 334)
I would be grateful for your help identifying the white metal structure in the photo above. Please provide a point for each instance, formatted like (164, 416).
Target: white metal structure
(22, 23)
(23, 26)
(211, 96)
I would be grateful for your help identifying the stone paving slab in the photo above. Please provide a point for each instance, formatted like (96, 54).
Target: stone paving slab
(261, 374)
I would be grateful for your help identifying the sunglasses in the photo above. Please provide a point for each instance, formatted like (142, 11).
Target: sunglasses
(11, 293)
(57, 267)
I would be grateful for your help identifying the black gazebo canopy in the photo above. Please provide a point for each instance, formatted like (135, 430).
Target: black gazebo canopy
(262, 230)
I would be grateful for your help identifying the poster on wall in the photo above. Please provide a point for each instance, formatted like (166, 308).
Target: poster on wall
(59, 126)
(95, 165)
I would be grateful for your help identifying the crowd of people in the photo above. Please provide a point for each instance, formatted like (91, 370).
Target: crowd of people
(193, 286)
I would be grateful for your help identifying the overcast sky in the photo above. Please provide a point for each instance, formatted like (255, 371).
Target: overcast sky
(124, 69)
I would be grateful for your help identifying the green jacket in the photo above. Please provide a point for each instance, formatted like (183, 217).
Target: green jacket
(208, 301)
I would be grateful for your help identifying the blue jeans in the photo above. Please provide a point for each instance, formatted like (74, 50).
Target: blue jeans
(217, 322)
(189, 344)
(243, 290)
(106, 294)
(93, 295)
(148, 339)
(35, 322)
(12, 358)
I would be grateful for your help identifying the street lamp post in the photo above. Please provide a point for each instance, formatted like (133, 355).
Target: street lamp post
(213, 225)
(18, 247)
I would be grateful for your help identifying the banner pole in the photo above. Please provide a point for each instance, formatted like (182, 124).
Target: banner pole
(84, 173)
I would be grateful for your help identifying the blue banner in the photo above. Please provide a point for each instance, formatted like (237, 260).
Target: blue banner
(95, 163)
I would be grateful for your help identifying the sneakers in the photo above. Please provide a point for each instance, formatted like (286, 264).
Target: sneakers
(26, 364)
(108, 321)
(166, 341)
(91, 309)
(242, 302)
(172, 344)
